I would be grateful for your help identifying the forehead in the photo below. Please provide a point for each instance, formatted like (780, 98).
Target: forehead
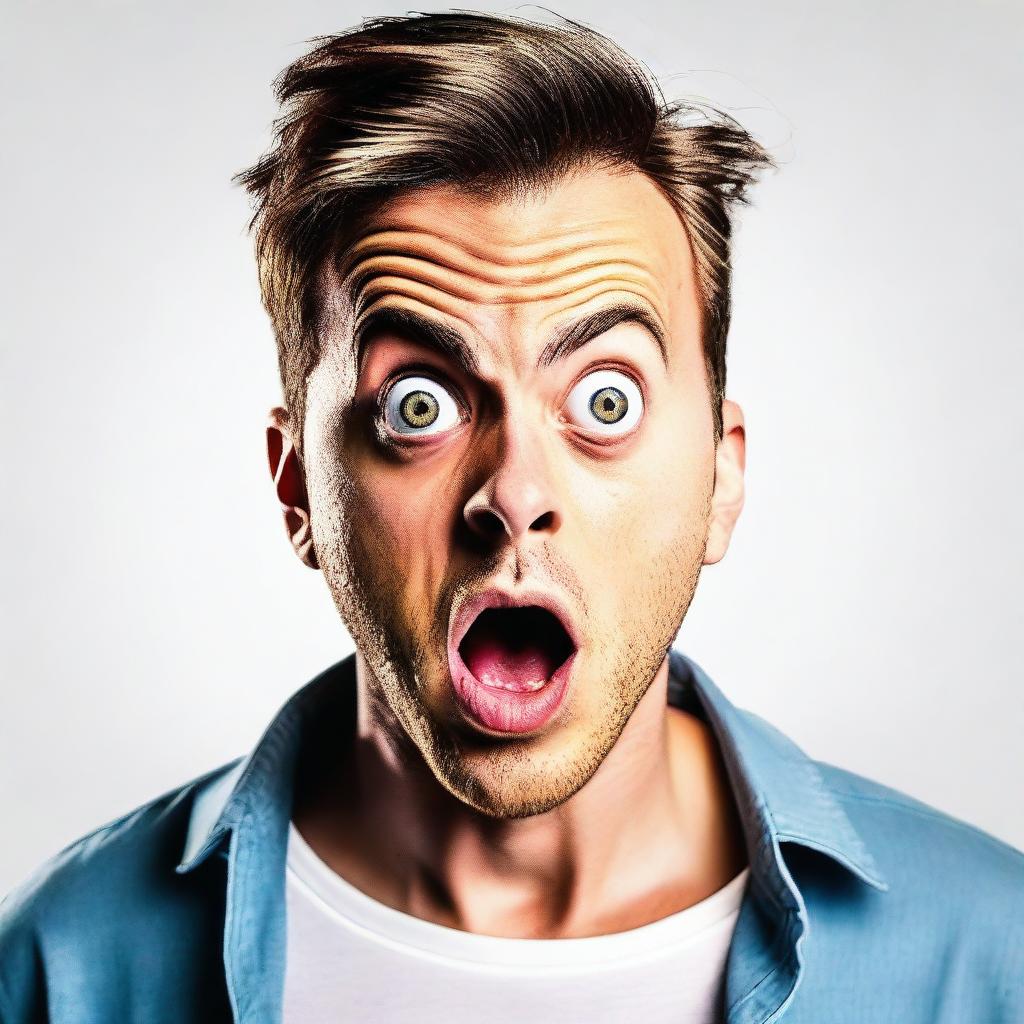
(525, 266)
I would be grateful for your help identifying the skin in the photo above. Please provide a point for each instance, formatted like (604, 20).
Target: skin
(618, 811)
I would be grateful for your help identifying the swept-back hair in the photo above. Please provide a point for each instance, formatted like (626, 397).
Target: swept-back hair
(497, 105)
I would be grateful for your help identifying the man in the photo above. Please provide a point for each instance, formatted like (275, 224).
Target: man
(497, 266)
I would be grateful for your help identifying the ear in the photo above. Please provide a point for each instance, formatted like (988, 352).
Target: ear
(290, 484)
(727, 500)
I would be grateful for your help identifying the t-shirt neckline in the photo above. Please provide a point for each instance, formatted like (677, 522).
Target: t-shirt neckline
(355, 908)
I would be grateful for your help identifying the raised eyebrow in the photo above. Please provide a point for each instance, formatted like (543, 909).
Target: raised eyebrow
(575, 336)
(448, 341)
(419, 328)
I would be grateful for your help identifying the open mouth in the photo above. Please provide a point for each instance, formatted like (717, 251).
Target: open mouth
(517, 649)
(511, 659)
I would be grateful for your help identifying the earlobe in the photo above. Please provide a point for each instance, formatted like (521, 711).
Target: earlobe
(727, 500)
(290, 485)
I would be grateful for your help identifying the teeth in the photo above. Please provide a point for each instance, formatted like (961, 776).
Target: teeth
(533, 684)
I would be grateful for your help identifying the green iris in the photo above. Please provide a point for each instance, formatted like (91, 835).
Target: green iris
(609, 405)
(419, 408)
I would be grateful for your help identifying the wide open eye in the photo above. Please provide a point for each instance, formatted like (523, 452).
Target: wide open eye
(419, 405)
(606, 401)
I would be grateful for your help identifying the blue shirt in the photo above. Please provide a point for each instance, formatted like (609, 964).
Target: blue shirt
(864, 906)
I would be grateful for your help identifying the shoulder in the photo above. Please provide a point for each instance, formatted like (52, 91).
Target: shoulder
(953, 888)
(898, 825)
(98, 892)
(111, 857)
(903, 833)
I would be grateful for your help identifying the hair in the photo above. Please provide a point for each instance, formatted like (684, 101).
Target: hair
(497, 105)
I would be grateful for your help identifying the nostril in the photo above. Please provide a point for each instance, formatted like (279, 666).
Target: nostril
(543, 522)
(487, 522)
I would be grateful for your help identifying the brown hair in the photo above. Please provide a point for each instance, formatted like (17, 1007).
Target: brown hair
(494, 104)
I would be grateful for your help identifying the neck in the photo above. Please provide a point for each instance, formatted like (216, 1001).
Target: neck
(652, 832)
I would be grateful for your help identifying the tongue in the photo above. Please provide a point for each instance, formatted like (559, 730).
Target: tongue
(508, 661)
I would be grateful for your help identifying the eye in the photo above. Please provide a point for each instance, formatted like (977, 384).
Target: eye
(608, 401)
(419, 405)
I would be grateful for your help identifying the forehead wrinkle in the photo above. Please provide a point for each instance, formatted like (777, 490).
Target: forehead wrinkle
(497, 262)
(421, 285)
(553, 320)
(523, 275)
(430, 244)
(464, 288)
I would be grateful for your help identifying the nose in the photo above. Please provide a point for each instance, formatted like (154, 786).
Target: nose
(518, 498)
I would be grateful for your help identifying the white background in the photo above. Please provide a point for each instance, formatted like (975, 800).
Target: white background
(154, 616)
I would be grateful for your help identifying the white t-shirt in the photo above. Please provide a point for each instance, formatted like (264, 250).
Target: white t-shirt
(352, 958)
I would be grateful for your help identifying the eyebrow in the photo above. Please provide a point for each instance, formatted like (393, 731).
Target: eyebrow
(574, 337)
(451, 343)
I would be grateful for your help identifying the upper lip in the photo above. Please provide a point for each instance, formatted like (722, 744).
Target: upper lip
(470, 607)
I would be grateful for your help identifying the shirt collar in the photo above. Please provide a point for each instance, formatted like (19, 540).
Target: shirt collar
(779, 790)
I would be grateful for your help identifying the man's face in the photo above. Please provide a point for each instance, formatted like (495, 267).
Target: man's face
(576, 463)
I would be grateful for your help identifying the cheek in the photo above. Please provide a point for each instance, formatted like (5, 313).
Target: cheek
(383, 535)
(414, 513)
(644, 522)
(380, 511)
(656, 495)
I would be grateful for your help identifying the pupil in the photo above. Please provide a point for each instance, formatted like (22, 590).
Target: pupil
(421, 407)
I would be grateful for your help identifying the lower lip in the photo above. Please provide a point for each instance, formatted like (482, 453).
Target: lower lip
(508, 711)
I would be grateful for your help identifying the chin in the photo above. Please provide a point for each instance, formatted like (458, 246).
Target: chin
(496, 799)
(516, 780)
